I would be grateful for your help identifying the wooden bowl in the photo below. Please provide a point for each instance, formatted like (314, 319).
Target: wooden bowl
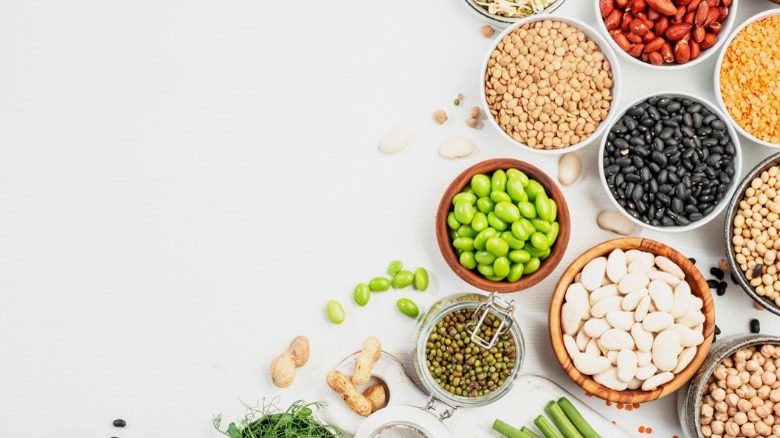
(473, 277)
(699, 288)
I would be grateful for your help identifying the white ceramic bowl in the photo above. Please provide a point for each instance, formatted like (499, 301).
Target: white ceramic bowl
(724, 201)
(726, 26)
(499, 21)
(605, 48)
(719, 96)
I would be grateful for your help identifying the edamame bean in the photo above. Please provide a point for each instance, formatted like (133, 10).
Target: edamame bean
(421, 280)
(515, 272)
(464, 212)
(334, 312)
(485, 204)
(531, 266)
(514, 188)
(407, 307)
(481, 185)
(501, 267)
(479, 222)
(519, 256)
(486, 270)
(379, 284)
(495, 222)
(464, 243)
(402, 279)
(552, 235)
(361, 294)
(394, 267)
(498, 181)
(467, 260)
(484, 258)
(517, 174)
(495, 278)
(526, 209)
(533, 189)
(543, 208)
(452, 222)
(545, 254)
(520, 231)
(539, 241)
(541, 225)
(510, 240)
(533, 251)
(467, 231)
(497, 246)
(507, 212)
(453, 235)
(497, 197)
(465, 197)
(553, 210)
(483, 236)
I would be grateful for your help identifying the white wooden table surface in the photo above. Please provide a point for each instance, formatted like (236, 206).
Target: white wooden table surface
(184, 184)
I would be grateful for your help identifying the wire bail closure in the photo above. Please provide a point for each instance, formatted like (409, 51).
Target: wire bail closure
(430, 406)
(505, 308)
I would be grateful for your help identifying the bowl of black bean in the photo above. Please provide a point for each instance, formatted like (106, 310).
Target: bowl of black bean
(670, 161)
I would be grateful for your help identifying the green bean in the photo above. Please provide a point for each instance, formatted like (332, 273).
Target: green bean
(507, 430)
(407, 307)
(543, 208)
(501, 267)
(515, 272)
(464, 197)
(464, 212)
(498, 181)
(529, 432)
(519, 256)
(495, 222)
(402, 279)
(531, 266)
(379, 284)
(541, 225)
(452, 222)
(497, 246)
(467, 260)
(576, 418)
(483, 236)
(514, 188)
(421, 280)
(479, 222)
(334, 312)
(394, 267)
(552, 235)
(512, 241)
(533, 189)
(517, 174)
(361, 294)
(484, 258)
(464, 243)
(507, 212)
(539, 241)
(467, 231)
(485, 204)
(548, 430)
(481, 185)
(527, 209)
(561, 420)
(498, 196)
(486, 270)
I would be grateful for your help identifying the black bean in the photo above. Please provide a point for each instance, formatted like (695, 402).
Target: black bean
(734, 279)
(120, 423)
(692, 260)
(717, 272)
(633, 177)
(697, 121)
(694, 108)
(758, 270)
(693, 217)
(663, 198)
(619, 129)
(717, 330)
(755, 326)
(611, 169)
(721, 288)
(622, 161)
(620, 143)
(652, 111)
(718, 125)
(713, 284)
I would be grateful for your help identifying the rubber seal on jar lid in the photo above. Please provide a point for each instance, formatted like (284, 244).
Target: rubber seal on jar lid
(402, 422)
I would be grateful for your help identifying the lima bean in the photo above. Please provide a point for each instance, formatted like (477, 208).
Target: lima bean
(501, 267)
(479, 222)
(464, 197)
(498, 180)
(361, 294)
(464, 243)
(519, 256)
(421, 280)
(517, 174)
(507, 212)
(452, 222)
(481, 185)
(379, 284)
(467, 231)
(402, 279)
(394, 267)
(526, 208)
(497, 197)
(483, 236)
(512, 241)
(495, 222)
(407, 307)
(497, 246)
(485, 204)
(467, 260)
(334, 311)
(539, 241)
(515, 272)
(531, 266)
(464, 212)
(484, 258)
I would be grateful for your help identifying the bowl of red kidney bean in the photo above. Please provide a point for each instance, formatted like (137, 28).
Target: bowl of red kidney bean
(670, 162)
(668, 34)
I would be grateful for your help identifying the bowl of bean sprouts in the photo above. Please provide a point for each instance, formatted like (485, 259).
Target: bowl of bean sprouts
(502, 13)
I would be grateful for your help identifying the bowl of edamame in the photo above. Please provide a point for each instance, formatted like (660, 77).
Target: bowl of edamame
(502, 225)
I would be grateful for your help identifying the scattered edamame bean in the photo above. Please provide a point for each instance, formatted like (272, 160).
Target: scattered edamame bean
(379, 284)
(335, 312)
(407, 307)
(396, 265)
(361, 294)
(402, 279)
(421, 280)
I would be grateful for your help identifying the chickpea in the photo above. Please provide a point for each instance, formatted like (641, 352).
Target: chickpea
(707, 410)
(732, 429)
(717, 427)
(748, 429)
(718, 394)
(763, 429)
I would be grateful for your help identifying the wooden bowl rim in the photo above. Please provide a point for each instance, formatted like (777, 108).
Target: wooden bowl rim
(698, 288)
(474, 278)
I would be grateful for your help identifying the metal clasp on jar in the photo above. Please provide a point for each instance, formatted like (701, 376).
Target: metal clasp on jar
(504, 308)
(430, 406)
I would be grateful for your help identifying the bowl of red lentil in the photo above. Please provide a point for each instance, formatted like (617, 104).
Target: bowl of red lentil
(550, 84)
(752, 234)
(746, 75)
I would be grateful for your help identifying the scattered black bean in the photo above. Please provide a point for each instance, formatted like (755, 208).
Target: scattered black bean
(717, 330)
(120, 423)
(755, 326)
(757, 271)
(669, 164)
(713, 284)
(721, 289)
(717, 272)
(734, 279)
(692, 260)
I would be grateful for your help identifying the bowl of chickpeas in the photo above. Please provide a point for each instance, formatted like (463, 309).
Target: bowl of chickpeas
(752, 234)
(736, 392)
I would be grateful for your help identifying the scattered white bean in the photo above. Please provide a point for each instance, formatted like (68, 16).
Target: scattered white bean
(395, 141)
(457, 147)
(616, 222)
(569, 168)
